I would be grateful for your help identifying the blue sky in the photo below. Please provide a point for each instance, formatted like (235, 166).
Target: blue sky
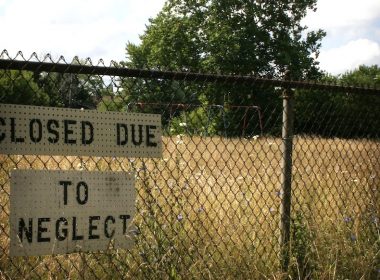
(353, 33)
(100, 29)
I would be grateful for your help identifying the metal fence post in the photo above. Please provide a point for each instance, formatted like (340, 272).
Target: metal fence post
(286, 176)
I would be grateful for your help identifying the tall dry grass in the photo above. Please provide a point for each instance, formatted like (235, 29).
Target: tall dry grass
(209, 208)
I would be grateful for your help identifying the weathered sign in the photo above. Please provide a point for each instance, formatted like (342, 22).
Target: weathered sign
(57, 212)
(60, 131)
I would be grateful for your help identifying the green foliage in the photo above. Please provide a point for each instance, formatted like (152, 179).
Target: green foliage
(340, 114)
(303, 266)
(261, 38)
(200, 121)
(52, 89)
(363, 76)
(18, 87)
(71, 90)
(236, 37)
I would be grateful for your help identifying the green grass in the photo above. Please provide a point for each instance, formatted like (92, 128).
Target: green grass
(209, 208)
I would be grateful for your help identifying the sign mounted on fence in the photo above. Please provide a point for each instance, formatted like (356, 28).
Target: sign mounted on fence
(58, 212)
(33, 130)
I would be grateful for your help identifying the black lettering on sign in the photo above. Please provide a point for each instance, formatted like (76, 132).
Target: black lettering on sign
(139, 141)
(68, 131)
(61, 233)
(15, 139)
(42, 229)
(2, 135)
(121, 140)
(124, 218)
(27, 230)
(87, 126)
(32, 125)
(65, 184)
(52, 125)
(93, 227)
(106, 229)
(85, 198)
(76, 236)
(150, 136)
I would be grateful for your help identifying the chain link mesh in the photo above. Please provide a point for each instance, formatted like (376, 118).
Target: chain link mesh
(211, 206)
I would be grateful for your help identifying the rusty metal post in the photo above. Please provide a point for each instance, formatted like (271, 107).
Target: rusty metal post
(286, 176)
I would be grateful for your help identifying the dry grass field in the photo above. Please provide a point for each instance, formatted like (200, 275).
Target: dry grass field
(209, 208)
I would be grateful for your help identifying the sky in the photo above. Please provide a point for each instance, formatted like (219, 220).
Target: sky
(101, 29)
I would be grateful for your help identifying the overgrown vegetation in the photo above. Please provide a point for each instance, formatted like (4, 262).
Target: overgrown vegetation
(210, 209)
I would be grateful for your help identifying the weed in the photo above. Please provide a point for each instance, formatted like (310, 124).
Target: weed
(210, 209)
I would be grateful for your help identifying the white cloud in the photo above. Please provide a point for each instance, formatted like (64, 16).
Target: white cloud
(350, 56)
(101, 29)
(96, 28)
(337, 14)
(352, 28)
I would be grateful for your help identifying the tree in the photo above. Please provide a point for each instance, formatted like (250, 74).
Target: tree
(363, 76)
(52, 89)
(246, 37)
(19, 87)
(71, 90)
(233, 37)
(363, 114)
(341, 114)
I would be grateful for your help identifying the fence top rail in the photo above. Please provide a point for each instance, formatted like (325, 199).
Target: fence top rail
(39, 66)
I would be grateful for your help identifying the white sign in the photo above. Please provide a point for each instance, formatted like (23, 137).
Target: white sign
(33, 130)
(57, 212)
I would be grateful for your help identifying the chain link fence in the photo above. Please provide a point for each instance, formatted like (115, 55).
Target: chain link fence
(259, 178)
